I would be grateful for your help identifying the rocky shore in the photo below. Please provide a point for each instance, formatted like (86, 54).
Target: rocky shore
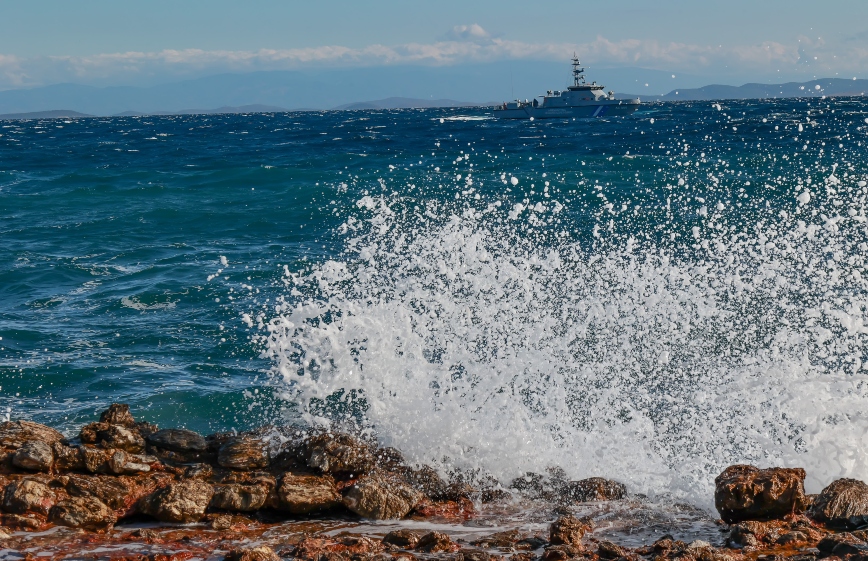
(125, 489)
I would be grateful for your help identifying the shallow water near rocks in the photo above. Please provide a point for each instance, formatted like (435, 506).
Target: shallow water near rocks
(628, 523)
(648, 299)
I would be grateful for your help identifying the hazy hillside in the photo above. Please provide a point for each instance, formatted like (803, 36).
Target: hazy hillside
(54, 114)
(330, 88)
(814, 88)
(388, 87)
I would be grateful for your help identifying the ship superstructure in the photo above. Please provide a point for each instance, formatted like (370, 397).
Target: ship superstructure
(579, 100)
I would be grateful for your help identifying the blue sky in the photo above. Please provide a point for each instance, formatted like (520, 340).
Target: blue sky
(132, 42)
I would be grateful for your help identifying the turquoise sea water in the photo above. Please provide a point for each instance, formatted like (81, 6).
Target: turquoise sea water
(661, 294)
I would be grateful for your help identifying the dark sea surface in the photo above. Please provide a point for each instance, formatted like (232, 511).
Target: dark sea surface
(649, 298)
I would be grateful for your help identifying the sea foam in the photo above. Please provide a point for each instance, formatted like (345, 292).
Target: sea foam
(468, 342)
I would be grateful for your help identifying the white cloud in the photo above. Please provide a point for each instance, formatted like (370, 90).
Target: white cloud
(473, 32)
(464, 43)
(11, 72)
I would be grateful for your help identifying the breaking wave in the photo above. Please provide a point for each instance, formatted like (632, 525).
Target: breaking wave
(651, 340)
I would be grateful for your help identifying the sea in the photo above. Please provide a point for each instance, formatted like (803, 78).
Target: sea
(647, 298)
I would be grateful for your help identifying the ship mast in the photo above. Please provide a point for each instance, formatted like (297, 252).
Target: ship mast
(578, 71)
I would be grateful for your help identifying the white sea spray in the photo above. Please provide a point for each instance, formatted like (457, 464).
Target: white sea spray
(726, 323)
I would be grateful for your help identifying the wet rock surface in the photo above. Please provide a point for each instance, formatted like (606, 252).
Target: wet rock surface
(339, 454)
(568, 530)
(67, 458)
(243, 453)
(261, 553)
(34, 455)
(506, 539)
(436, 542)
(28, 496)
(118, 493)
(304, 494)
(14, 434)
(745, 492)
(178, 502)
(240, 498)
(796, 531)
(118, 414)
(120, 438)
(178, 440)
(596, 489)
(381, 498)
(407, 539)
(843, 504)
(842, 545)
(293, 493)
(83, 512)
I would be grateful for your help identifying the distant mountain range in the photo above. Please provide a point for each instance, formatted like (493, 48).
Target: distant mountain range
(299, 92)
(53, 114)
(293, 90)
(388, 103)
(837, 87)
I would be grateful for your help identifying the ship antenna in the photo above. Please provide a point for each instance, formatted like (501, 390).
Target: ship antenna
(578, 79)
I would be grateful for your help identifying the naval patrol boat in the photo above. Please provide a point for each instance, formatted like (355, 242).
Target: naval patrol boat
(579, 100)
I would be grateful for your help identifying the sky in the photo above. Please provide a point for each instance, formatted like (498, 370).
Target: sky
(127, 42)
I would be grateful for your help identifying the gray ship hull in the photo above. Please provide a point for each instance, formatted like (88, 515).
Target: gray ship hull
(599, 108)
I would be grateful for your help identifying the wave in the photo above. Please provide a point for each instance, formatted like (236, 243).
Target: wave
(652, 342)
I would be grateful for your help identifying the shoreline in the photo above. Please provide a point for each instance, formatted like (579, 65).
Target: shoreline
(125, 489)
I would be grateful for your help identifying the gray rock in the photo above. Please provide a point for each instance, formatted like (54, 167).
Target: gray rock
(426, 480)
(504, 539)
(564, 552)
(381, 497)
(89, 434)
(116, 461)
(34, 455)
(178, 502)
(243, 453)
(83, 512)
(13, 434)
(595, 489)
(221, 522)
(303, 494)
(841, 545)
(539, 487)
(95, 459)
(178, 440)
(609, 550)
(240, 498)
(389, 459)
(467, 554)
(134, 465)
(404, 537)
(339, 453)
(121, 438)
(28, 495)
(118, 414)
(112, 491)
(198, 471)
(568, 530)
(261, 553)
(27, 522)
(67, 458)
(843, 504)
(436, 542)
